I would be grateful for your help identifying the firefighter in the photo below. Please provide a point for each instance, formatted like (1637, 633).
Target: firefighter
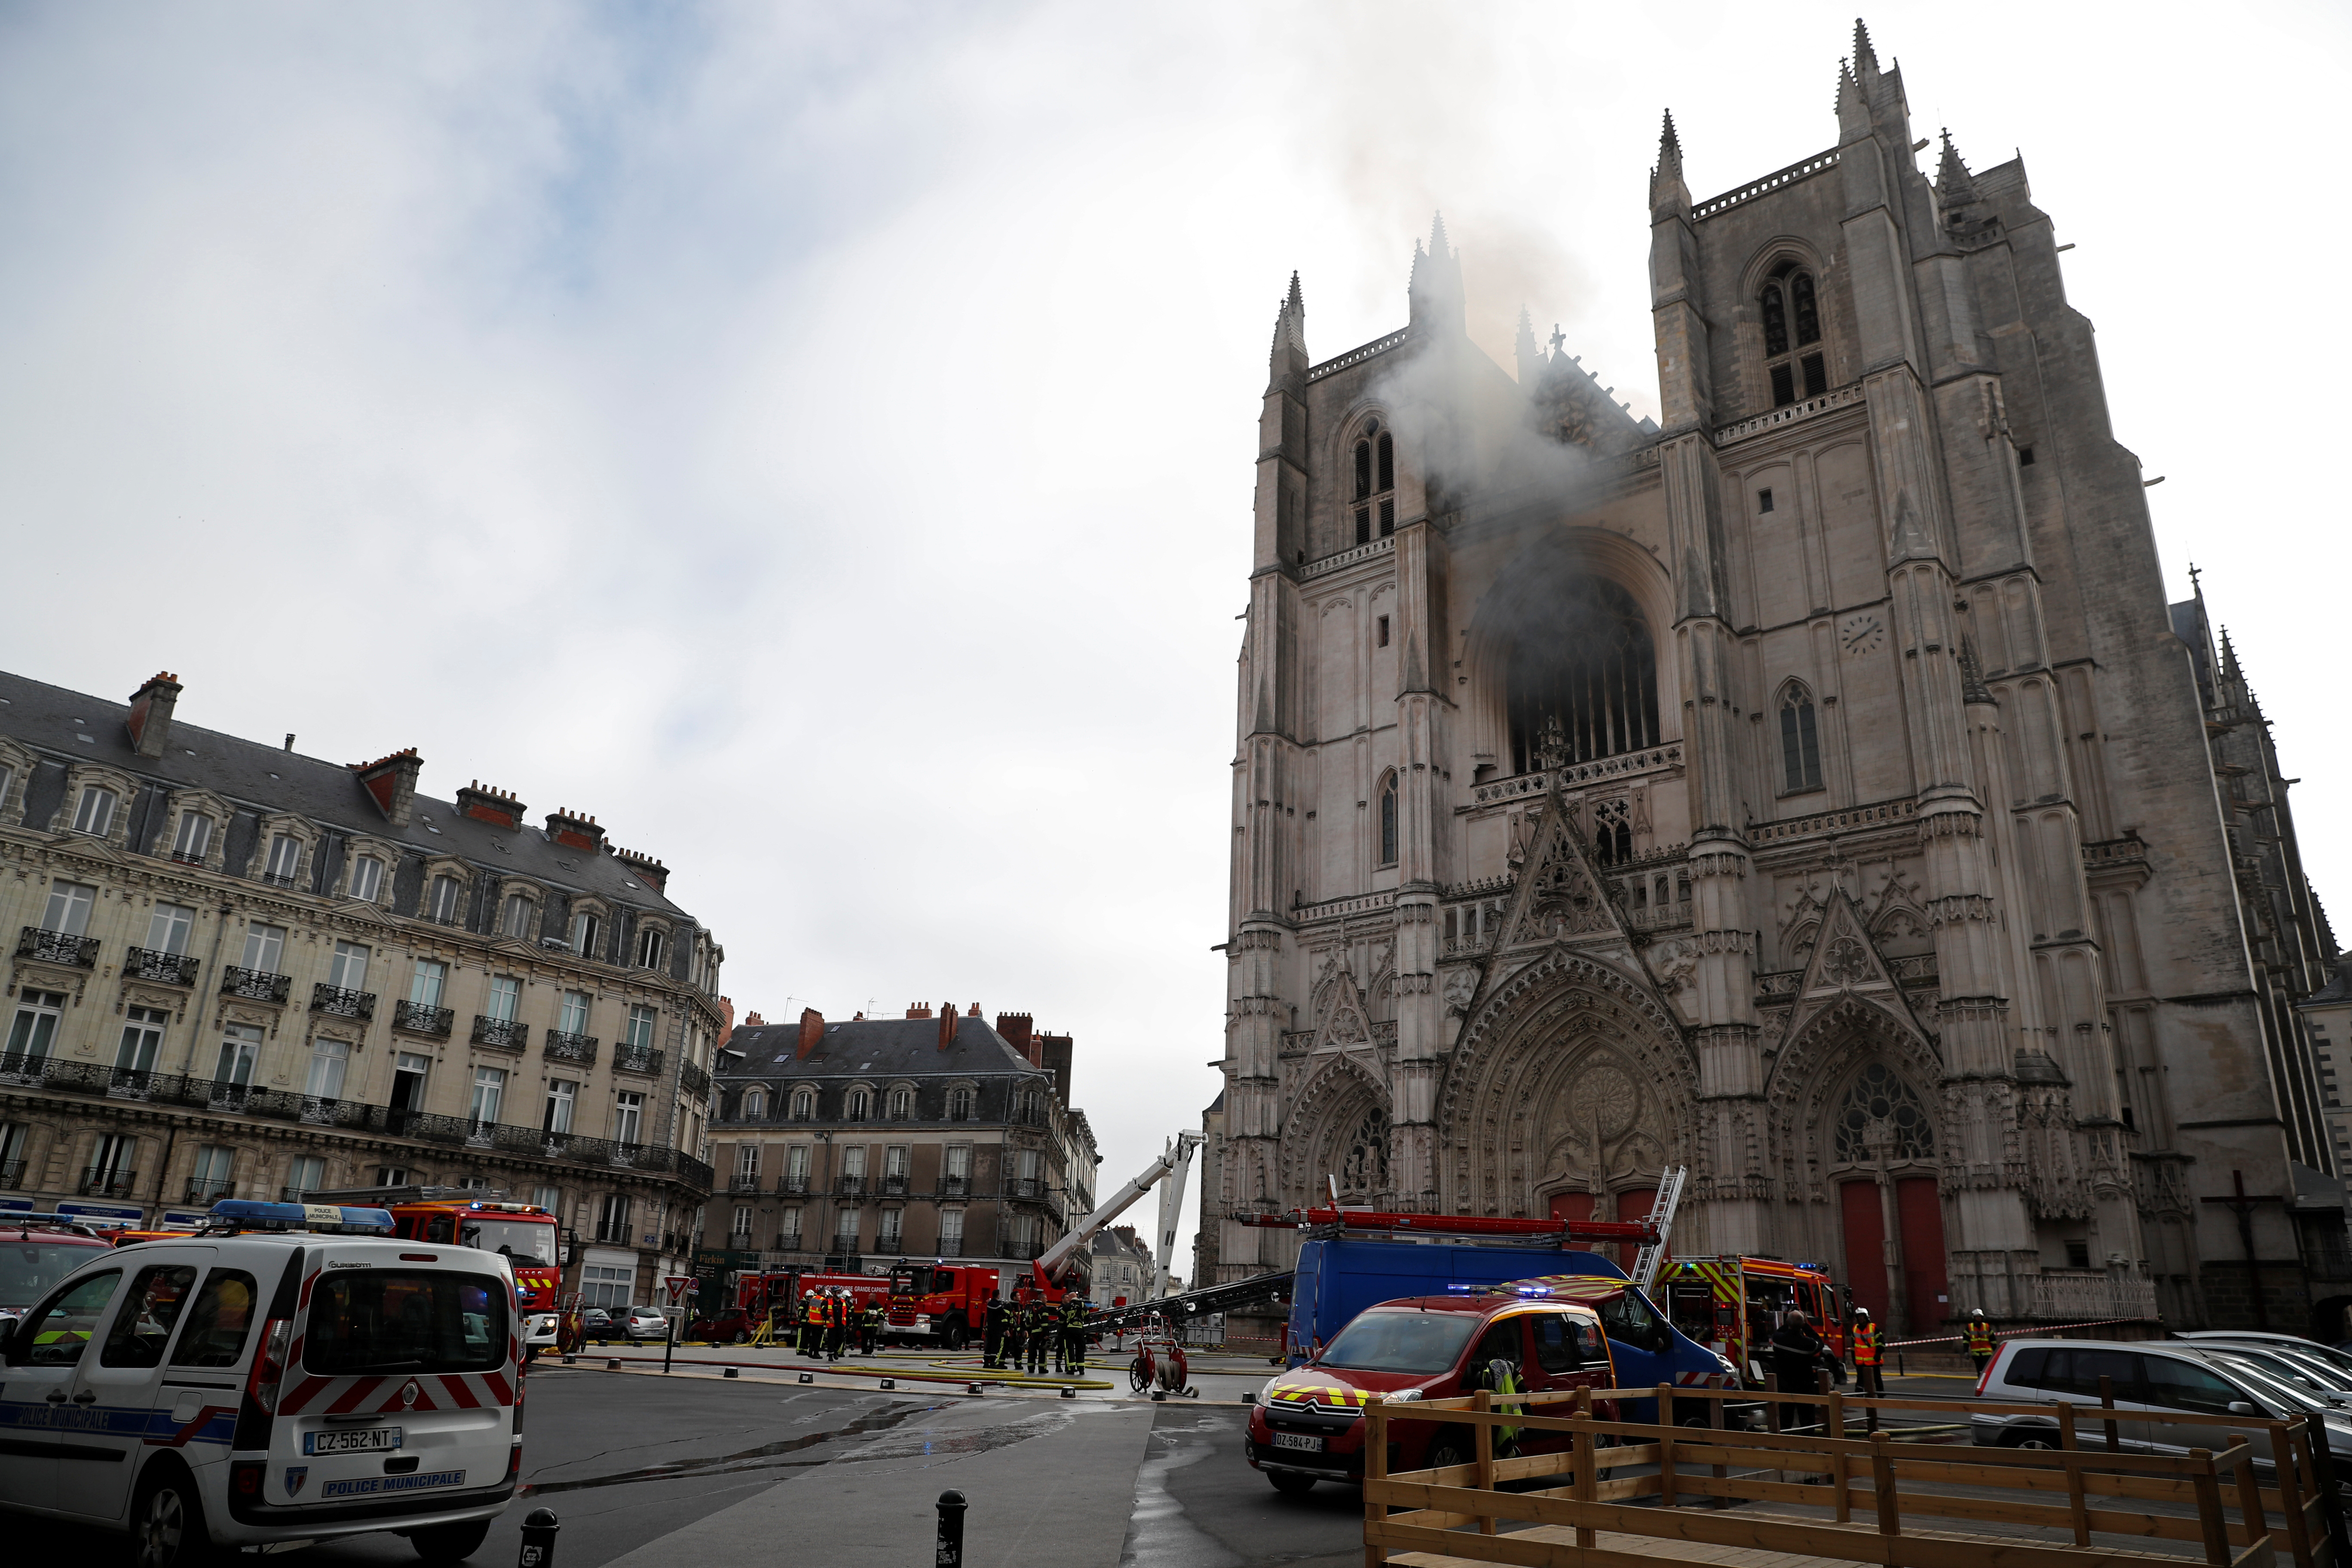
(1038, 1330)
(813, 1324)
(1796, 1359)
(836, 1325)
(1016, 1330)
(1869, 1381)
(1980, 1342)
(870, 1328)
(1074, 1334)
(992, 1345)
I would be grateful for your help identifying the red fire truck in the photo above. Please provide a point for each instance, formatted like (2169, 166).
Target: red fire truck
(524, 1234)
(1732, 1304)
(945, 1303)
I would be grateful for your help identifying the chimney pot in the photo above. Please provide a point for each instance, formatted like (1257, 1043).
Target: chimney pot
(391, 783)
(289, 740)
(486, 803)
(150, 721)
(948, 1022)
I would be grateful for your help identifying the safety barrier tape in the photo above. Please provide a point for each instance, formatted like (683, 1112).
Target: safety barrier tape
(2036, 1331)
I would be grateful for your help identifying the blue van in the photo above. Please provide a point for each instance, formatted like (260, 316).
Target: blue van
(1338, 1276)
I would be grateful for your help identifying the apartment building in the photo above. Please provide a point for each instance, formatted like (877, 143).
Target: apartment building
(239, 971)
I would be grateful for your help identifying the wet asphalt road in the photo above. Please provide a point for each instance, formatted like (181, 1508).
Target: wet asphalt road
(624, 1460)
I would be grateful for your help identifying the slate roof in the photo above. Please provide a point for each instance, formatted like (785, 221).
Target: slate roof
(72, 724)
(876, 1047)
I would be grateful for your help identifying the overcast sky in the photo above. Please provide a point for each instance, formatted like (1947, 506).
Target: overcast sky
(818, 439)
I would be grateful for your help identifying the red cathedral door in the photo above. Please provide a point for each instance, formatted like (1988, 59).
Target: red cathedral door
(1921, 1213)
(1865, 1246)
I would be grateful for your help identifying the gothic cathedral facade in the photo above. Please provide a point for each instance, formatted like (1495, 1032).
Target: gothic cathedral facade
(1814, 790)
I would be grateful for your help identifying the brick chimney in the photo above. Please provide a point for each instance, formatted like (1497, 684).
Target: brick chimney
(150, 715)
(812, 1033)
(919, 1010)
(580, 831)
(752, 1021)
(391, 783)
(645, 868)
(948, 1022)
(1019, 1030)
(487, 803)
(973, 1011)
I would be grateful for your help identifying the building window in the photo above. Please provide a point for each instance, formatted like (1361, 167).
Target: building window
(516, 921)
(306, 1174)
(328, 1060)
(889, 1229)
(548, 1198)
(1381, 632)
(265, 947)
(348, 970)
(1612, 832)
(506, 997)
(240, 1047)
(441, 901)
(602, 1284)
(1793, 336)
(805, 1105)
(208, 1178)
(474, 1184)
(194, 839)
(587, 932)
(69, 908)
(1375, 490)
(852, 1162)
(168, 928)
(894, 1162)
(95, 813)
(796, 1168)
(393, 1176)
(1801, 746)
(959, 1104)
(650, 948)
(641, 1026)
(755, 1104)
(285, 861)
(143, 1039)
(902, 1103)
(1881, 1118)
(561, 1095)
(747, 1163)
(409, 1069)
(845, 1225)
(1387, 799)
(367, 879)
(572, 1015)
(950, 1232)
(788, 1231)
(628, 1115)
(957, 1165)
(861, 1105)
(490, 1092)
(741, 1231)
(1764, 501)
(426, 985)
(112, 1162)
(1587, 687)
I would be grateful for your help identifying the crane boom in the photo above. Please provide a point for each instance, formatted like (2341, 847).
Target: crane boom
(1171, 1210)
(1049, 1267)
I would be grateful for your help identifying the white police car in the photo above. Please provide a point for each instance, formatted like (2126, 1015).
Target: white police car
(287, 1374)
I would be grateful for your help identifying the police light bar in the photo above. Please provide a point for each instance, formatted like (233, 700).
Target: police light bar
(248, 1214)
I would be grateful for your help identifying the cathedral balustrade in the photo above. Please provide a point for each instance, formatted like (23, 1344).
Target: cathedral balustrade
(1331, 909)
(1884, 814)
(1348, 557)
(1625, 764)
(1359, 355)
(2125, 854)
(2069, 1297)
(1843, 398)
(1802, 169)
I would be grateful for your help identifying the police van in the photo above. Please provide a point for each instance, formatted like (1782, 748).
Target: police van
(287, 1374)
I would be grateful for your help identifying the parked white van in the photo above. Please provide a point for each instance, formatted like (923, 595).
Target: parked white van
(285, 1375)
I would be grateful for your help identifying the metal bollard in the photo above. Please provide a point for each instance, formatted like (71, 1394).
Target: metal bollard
(950, 1548)
(539, 1539)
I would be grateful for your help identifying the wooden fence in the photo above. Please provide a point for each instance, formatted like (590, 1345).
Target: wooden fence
(1871, 1491)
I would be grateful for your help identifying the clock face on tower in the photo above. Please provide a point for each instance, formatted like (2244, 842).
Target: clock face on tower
(1862, 634)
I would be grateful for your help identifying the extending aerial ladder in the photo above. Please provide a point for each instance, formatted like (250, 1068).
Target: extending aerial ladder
(1175, 1159)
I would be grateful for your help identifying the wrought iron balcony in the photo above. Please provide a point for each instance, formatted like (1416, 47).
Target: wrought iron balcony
(793, 1185)
(342, 1002)
(895, 1244)
(209, 1189)
(12, 1172)
(636, 1058)
(950, 1246)
(501, 1034)
(164, 968)
(743, 1185)
(254, 985)
(281, 878)
(57, 947)
(188, 859)
(558, 1046)
(96, 1182)
(693, 1079)
(1025, 1187)
(955, 1186)
(894, 1186)
(418, 1020)
(850, 1187)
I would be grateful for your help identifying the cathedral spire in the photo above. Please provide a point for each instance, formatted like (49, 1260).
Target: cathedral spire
(1670, 147)
(1865, 58)
(1953, 184)
(1434, 294)
(1667, 192)
(1852, 105)
(1524, 349)
(1289, 355)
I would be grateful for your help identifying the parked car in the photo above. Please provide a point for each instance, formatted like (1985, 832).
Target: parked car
(730, 1326)
(378, 1389)
(1308, 1425)
(645, 1323)
(2320, 1380)
(2144, 1375)
(597, 1323)
(2331, 1356)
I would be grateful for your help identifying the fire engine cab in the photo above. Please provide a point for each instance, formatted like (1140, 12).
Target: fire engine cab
(523, 1234)
(1732, 1304)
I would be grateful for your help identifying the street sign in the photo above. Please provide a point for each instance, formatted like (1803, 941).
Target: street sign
(677, 1285)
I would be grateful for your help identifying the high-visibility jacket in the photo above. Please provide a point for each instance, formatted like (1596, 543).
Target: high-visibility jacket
(1865, 1344)
(1979, 1337)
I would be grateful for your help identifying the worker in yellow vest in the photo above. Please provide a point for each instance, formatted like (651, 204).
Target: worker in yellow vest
(1869, 1356)
(1980, 1342)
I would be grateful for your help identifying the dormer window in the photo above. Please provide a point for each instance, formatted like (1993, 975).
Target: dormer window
(285, 860)
(650, 948)
(1374, 495)
(94, 814)
(194, 837)
(805, 1105)
(367, 876)
(516, 919)
(1793, 336)
(587, 935)
(441, 902)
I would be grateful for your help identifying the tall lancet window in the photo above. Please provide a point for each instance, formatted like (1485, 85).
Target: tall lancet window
(1801, 746)
(1374, 494)
(1388, 828)
(1583, 678)
(1792, 335)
